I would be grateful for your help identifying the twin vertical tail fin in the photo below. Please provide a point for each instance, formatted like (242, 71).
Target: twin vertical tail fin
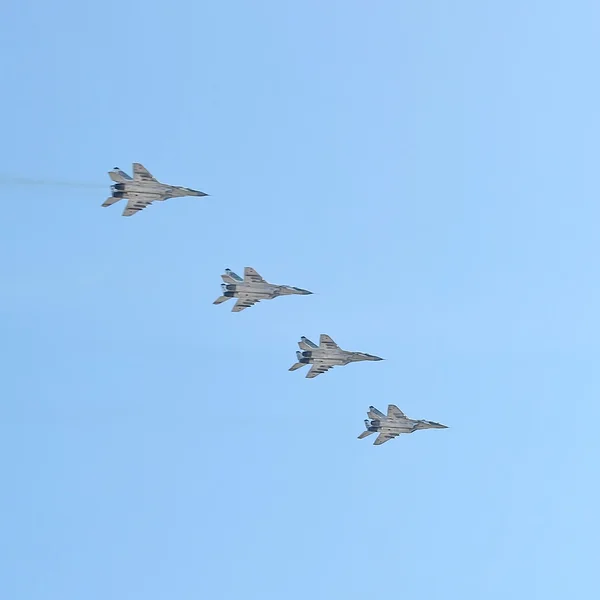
(230, 277)
(119, 176)
(306, 344)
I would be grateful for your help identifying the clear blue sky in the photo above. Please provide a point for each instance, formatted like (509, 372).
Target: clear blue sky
(430, 170)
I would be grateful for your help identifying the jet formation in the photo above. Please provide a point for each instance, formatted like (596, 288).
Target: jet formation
(252, 289)
(325, 356)
(393, 424)
(142, 190)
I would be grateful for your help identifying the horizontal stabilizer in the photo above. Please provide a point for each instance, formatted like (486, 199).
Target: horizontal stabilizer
(221, 299)
(110, 201)
(297, 366)
(364, 434)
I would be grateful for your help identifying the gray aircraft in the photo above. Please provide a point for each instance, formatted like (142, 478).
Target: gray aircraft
(142, 190)
(325, 356)
(392, 425)
(252, 289)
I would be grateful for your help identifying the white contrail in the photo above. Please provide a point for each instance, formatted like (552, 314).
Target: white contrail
(7, 180)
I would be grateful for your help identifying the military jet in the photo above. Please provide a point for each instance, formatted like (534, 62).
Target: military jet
(252, 289)
(325, 356)
(392, 425)
(142, 190)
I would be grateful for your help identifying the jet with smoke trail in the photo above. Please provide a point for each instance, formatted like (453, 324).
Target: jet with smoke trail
(142, 190)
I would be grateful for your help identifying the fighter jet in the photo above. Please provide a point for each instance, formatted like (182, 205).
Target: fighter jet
(392, 425)
(325, 356)
(142, 190)
(252, 289)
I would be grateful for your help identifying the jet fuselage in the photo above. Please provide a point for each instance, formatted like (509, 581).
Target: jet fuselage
(398, 426)
(158, 191)
(259, 290)
(335, 357)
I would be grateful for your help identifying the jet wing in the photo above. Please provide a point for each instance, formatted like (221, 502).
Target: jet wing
(382, 438)
(243, 303)
(394, 412)
(318, 367)
(135, 204)
(251, 276)
(140, 173)
(326, 342)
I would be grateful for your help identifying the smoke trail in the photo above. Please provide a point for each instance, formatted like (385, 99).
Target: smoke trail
(6, 180)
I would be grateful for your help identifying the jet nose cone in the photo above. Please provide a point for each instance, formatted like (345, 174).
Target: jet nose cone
(305, 292)
(363, 356)
(191, 192)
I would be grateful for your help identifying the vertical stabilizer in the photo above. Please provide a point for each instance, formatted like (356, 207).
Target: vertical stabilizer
(119, 176)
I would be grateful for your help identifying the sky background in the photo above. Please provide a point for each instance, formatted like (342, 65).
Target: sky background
(430, 170)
